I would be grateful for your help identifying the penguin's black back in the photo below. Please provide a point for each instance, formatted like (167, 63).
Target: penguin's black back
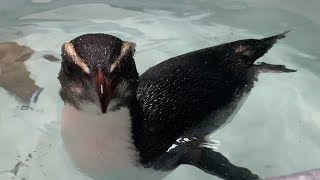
(176, 96)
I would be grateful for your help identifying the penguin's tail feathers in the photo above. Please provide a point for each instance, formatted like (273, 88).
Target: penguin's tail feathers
(270, 41)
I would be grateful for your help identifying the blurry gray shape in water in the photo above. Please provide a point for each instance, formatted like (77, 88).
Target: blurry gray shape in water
(51, 57)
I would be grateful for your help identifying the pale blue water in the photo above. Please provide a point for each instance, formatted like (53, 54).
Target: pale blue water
(275, 132)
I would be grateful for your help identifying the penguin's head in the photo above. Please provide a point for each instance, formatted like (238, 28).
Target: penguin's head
(97, 70)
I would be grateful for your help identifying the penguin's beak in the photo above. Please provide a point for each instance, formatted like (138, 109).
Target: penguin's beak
(104, 87)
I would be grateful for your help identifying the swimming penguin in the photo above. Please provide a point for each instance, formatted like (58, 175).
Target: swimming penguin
(117, 123)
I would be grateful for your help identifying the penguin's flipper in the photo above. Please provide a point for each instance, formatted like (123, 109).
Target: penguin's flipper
(200, 153)
(215, 163)
(272, 68)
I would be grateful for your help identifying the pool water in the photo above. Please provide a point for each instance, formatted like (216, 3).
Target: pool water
(275, 132)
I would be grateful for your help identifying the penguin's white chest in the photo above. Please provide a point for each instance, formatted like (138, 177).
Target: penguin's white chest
(99, 145)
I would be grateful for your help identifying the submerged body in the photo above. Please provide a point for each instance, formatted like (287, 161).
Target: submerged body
(115, 121)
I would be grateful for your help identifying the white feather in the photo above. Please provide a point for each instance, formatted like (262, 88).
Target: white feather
(101, 145)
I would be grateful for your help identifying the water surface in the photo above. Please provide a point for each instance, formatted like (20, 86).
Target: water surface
(275, 132)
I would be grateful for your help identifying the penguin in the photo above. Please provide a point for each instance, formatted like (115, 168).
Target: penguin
(116, 122)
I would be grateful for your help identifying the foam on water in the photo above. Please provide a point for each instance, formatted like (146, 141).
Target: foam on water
(275, 132)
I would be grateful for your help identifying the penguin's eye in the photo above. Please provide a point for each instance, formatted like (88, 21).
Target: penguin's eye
(66, 67)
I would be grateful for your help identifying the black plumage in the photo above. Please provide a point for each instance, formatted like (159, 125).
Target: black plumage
(186, 97)
(195, 93)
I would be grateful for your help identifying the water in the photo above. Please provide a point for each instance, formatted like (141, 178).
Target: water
(276, 130)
